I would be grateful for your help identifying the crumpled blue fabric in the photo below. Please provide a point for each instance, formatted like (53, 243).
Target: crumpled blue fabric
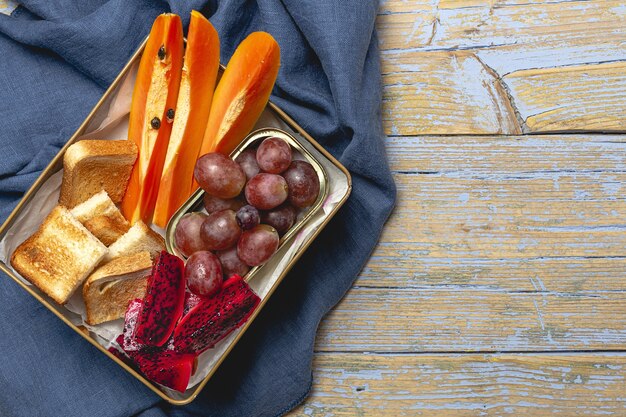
(56, 60)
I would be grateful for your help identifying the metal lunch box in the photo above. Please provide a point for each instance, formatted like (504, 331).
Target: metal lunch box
(335, 186)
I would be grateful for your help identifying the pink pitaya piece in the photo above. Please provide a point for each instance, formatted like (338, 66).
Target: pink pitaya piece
(164, 301)
(214, 318)
(191, 300)
(129, 342)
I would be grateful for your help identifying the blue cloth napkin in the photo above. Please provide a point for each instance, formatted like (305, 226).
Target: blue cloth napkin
(56, 60)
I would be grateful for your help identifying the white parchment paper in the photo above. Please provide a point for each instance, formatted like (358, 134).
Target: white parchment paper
(111, 122)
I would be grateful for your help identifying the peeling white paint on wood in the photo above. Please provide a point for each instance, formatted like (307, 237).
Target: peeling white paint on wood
(422, 47)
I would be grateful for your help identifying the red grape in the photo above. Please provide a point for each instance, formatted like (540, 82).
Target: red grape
(266, 191)
(248, 217)
(273, 155)
(304, 185)
(203, 272)
(213, 204)
(219, 175)
(257, 245)
(231, 264)
(220, 230)
(187, 233)
(281, 218)
(247, 162)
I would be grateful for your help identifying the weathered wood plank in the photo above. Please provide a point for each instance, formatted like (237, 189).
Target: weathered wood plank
(494, 198)
(466, 385)
(587, 97)
(505, 155)
(401, 266)
(456, 93)
(571, 27)
(446, 93)
(443, 64)
(462, 319)
(523, 216)
(521, 213)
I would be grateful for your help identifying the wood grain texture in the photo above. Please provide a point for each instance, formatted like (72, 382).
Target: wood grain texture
(442, 62)
(505, 213)
(441, 93)
(467, 385)
(586, 97)
(497, 244)
(471, 320)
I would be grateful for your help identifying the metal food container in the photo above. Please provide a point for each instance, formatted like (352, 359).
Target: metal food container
(113, 108)
(195, 202)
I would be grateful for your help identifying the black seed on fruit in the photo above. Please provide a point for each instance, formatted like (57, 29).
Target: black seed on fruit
(155, 123)
(170, 115)
(161, 52)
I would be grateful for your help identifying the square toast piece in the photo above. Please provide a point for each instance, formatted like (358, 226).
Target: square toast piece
(102, 218)
(90, 166)
(112, 286)
(138, 238)
(59, 256)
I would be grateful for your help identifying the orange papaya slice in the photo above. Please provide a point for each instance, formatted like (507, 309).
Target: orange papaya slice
(154, 100)
(201, 62)
(242, 93)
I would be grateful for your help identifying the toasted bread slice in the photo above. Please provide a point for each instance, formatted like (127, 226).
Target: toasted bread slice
(59, 256)
(90, 166)
(138, 238)
(102, 218)
(110, 288)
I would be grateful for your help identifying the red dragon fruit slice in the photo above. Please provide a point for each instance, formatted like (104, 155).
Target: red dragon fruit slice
(214, 318)
(164, 301)
(166, 367)
(129, 342)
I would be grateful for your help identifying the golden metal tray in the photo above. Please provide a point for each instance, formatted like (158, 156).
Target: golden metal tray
(57, 164)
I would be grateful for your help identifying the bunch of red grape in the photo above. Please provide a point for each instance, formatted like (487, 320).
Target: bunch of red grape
(250, 202)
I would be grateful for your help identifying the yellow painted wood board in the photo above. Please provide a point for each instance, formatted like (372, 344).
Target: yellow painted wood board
(473, 320)
(467, 385)
(459, 66)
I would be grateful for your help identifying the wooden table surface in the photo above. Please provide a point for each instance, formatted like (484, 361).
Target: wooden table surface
(499, 284)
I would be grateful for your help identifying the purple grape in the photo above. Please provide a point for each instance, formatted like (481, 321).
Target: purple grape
(203, 272)
(247, 162)
(304, 185)
(231, 264)
(266, 191)
(257, 245)
(281, 218)
(187, 233)
(220, 230)
(213, 204)
(219, 175)
(248, 217)
(273, 155)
